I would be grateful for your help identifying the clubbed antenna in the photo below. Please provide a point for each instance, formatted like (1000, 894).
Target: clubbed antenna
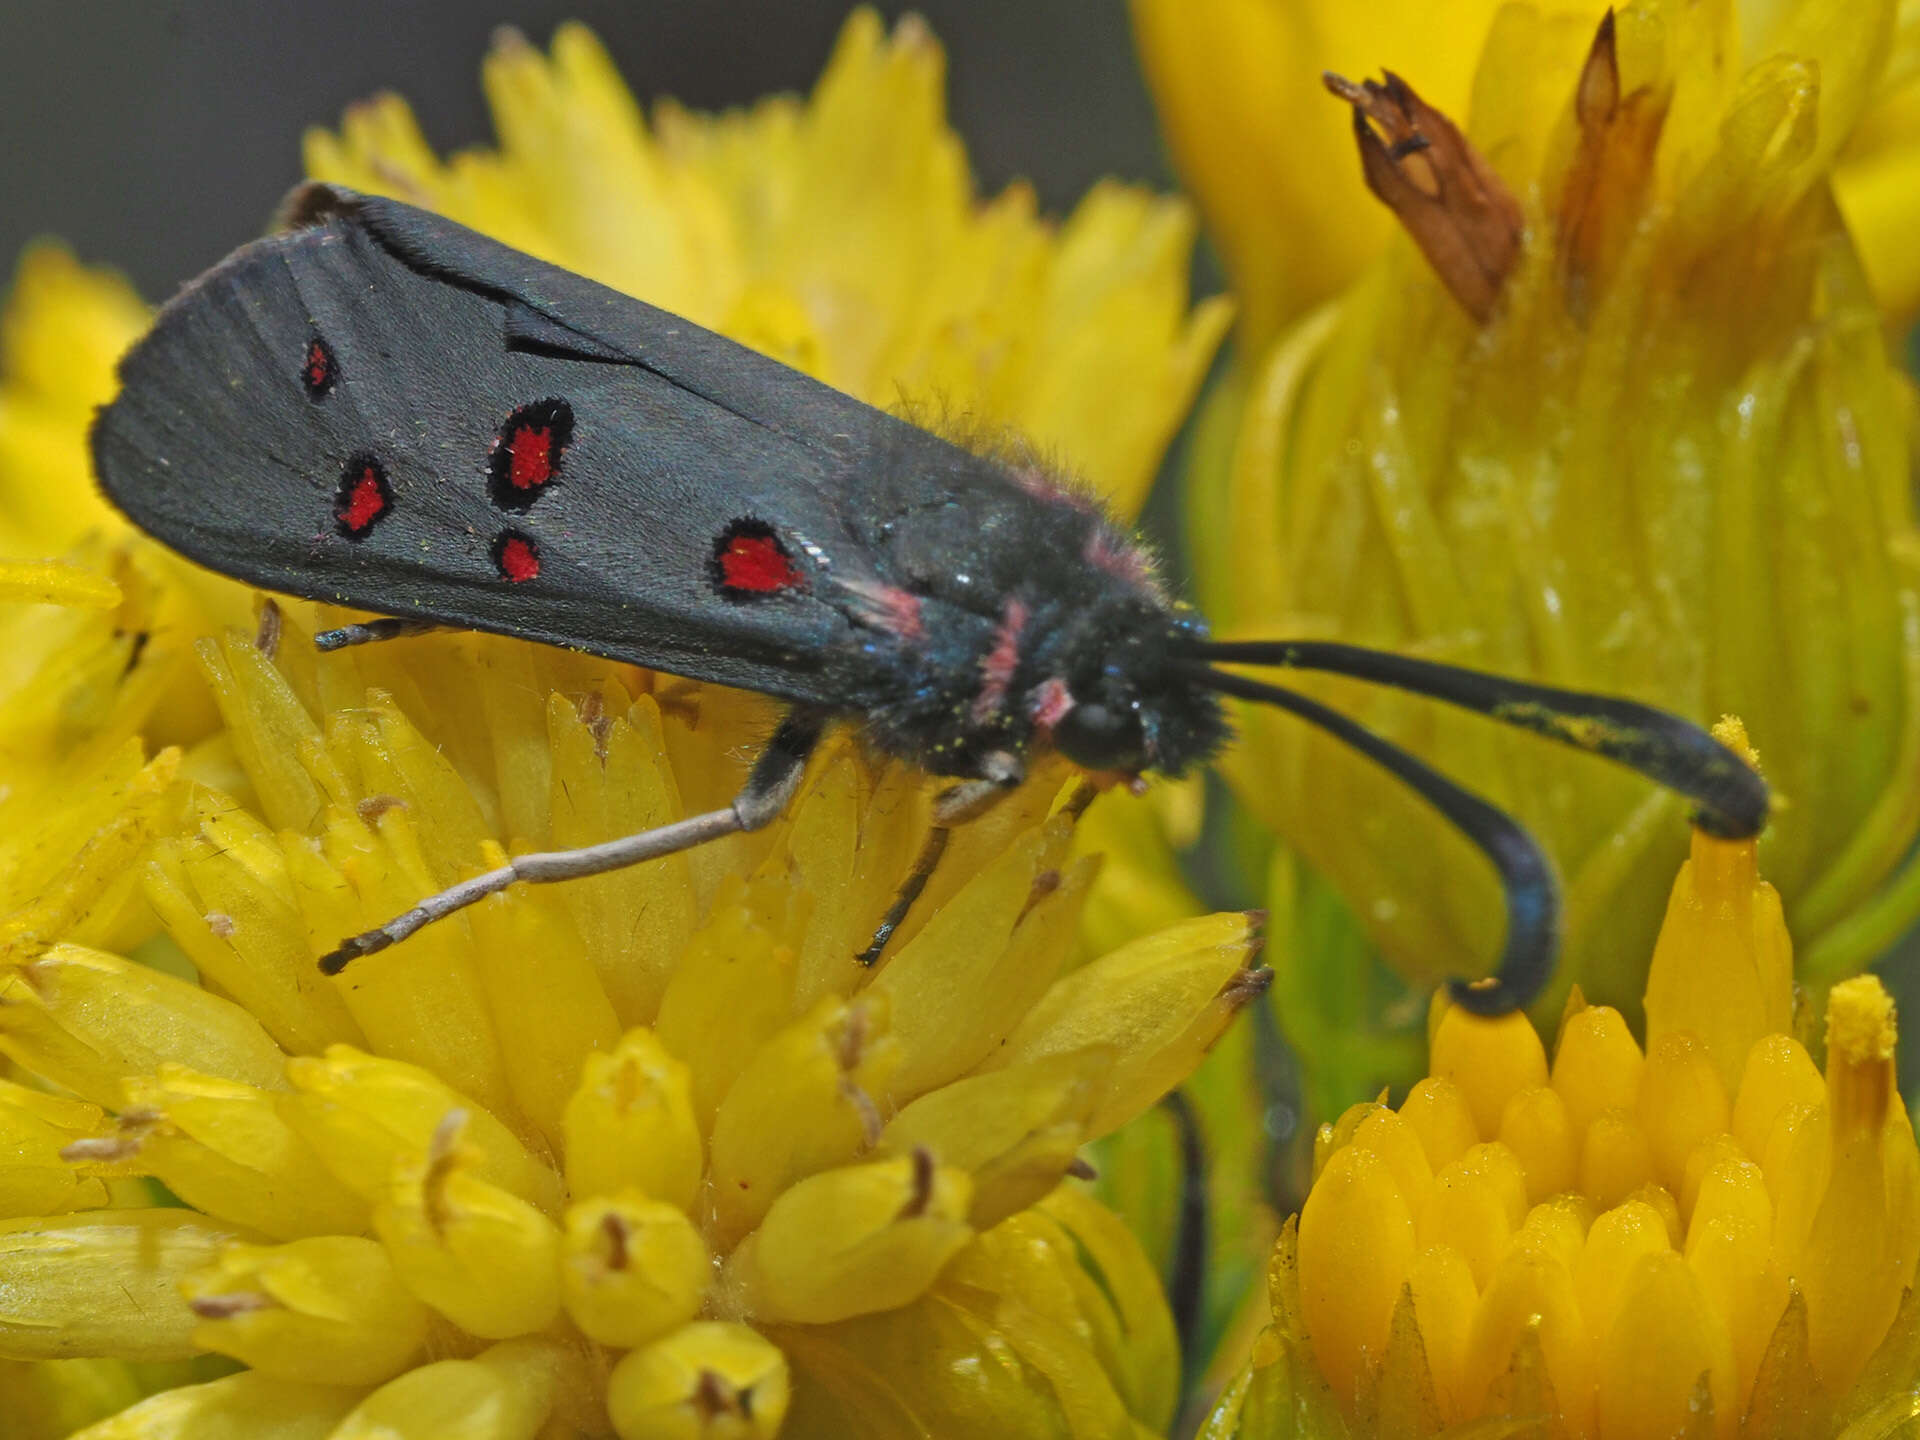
(1731, 797)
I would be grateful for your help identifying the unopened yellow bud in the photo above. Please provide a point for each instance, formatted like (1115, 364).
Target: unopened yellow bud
(631, 1268)
(1490, 1060)
(482, 1257)
(1597, 1066)
(1444, 1300)
(1707, 1156)
(1478, 1202)
(1723, 966)
(807, 1101)
(1664, 1338)
(1356, 1242)
(224, 1147)
(732, 990)
(703, 1382)
(1729, 1246)
(1385, 1134)
(1532, 1291)
(630, 1124)
(1614, 1159)
(1779, 1073)
(1438, 1113)
(328, 1309)
(854, 1241)
(1861, 1248)
(1537, 1129)
(1682, 1102)
(1616, 1243)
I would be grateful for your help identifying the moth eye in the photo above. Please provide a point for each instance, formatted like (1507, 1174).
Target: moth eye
(319, 370)
(525, 456)
(516, 556)
(750, 561)
(364, 497)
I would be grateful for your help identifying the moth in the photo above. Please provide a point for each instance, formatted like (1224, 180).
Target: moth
(384, 409)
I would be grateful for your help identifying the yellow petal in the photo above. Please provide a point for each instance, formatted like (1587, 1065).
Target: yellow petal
(54, 582)
(481, 1256)
(363, 1112)
(807, 1101)
(1016, 1130)
(239, 1407)
(34, 1128)
(708, 1381)
(503, 1393)
(1160, 1002)
(962, 983)
(225, 1148)
(87, 1020)
(103, 1284)
(630, 1124)
(868, 1237)
(631, 1269)
(329, 1310)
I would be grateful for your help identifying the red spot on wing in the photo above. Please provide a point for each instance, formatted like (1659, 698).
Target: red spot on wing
(527, 452)
(749, 560)
(532, 452)
(318, 369)
(517, 556)
(364, 497)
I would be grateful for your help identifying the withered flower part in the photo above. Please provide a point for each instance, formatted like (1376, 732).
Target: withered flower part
(1458, 211)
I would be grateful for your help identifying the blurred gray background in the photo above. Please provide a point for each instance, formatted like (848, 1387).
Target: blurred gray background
(156, 135)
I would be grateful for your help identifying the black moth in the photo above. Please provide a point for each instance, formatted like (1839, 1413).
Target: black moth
(381, 408)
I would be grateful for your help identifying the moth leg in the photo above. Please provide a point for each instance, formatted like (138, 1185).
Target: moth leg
(771, 784)
(373, 630)
(954, 807)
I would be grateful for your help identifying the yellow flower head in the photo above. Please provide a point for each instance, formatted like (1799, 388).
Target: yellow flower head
(1622, 420)
(1704, 1236)
(648, 1154)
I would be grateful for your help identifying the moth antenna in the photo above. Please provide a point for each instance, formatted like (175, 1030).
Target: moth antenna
(1526, 877)
(1677, 753)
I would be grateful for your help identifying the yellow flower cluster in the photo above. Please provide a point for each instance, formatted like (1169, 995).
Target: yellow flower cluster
(1705, 1236)
(659, 1113)
(648, 1153)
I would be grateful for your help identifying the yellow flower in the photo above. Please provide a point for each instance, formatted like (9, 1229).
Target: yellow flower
(1269, 162)
(1625, 422)
(1705, 1236)
(647, 1154)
